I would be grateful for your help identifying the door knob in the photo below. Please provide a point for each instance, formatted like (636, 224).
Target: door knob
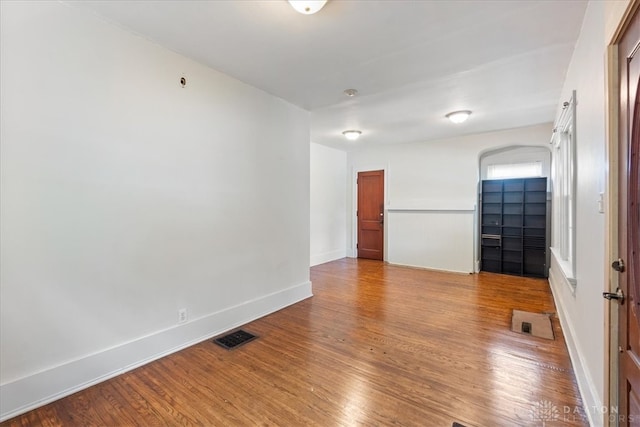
(618, 295)
(618, 265)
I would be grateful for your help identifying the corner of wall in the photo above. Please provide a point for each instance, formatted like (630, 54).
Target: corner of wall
(317, 259)
(30, 392)
(560, 288)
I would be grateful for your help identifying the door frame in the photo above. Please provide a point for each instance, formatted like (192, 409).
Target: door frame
(354, 206)
(612, 142)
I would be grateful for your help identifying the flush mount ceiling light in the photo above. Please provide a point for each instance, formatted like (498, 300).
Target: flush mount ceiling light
(307, 7)
(458, 116)
(352, 135)
(351, 92)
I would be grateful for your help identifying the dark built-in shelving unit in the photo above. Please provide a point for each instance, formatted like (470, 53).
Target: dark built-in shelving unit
(514, 226)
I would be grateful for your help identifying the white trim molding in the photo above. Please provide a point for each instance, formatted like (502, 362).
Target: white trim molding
(30, 392)
(566, 269)
(328, 256)
(586, 384)
(563, 180)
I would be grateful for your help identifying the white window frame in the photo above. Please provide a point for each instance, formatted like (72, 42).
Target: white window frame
(563, 176)
(514, 170)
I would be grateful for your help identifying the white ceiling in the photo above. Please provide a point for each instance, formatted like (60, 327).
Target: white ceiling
(411, 61)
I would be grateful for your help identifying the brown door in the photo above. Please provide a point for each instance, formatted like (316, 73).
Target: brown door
(628, 265)
(370, 214)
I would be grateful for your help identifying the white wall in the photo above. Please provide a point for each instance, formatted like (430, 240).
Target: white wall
(431, 195)
(126, 197)
(582, 311)
(328, 204)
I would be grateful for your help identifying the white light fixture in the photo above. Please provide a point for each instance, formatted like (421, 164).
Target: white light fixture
(352, 135)
(351, 92)
(458, 116)
(307, 7)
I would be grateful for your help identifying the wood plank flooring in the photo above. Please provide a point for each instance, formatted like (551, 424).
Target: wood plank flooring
(377, 345)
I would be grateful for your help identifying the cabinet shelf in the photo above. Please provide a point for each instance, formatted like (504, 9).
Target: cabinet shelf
(514, 226)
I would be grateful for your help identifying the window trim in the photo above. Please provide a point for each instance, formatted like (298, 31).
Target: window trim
(492, 168)
(563, 172)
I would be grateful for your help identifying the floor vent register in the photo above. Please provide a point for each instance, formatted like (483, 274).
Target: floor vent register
(234, 339)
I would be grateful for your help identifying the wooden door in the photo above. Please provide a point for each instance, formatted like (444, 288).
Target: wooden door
(629, 227)
(370, 214)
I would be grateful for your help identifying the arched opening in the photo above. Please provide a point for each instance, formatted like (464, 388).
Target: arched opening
(517, 201)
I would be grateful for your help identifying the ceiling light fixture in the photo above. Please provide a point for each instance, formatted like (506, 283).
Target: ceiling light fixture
(351, 92)
(307, 7)
(352, 135)
(458, 116)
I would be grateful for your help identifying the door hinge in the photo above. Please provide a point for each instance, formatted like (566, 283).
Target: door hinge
(356, 246)
(356, 213)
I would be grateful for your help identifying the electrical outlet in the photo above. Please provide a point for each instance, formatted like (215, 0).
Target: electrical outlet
(182, 315)
(601, 203)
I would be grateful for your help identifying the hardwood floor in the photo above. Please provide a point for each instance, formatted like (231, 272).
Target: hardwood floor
(377, 345)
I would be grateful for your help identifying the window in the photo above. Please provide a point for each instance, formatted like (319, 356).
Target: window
(515, 170)
(563, 170)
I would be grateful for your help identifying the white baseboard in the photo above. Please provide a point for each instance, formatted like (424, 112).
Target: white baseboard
(327, 256)
(420, 267)
(588, 390)
(30, 392)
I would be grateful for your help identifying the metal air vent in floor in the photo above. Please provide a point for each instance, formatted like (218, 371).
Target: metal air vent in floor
(234, 339)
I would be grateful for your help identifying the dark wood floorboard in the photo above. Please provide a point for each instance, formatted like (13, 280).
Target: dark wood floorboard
(377, 345)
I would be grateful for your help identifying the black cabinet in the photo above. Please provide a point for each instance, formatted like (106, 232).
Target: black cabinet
(514, 226)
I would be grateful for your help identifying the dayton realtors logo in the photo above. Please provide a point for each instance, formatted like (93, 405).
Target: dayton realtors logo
(544, 411)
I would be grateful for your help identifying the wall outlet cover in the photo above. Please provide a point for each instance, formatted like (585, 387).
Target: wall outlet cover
(182, 315)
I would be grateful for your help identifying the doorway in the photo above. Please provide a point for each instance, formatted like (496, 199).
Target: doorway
(492, 252)
(370, 215)
(627, 264)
